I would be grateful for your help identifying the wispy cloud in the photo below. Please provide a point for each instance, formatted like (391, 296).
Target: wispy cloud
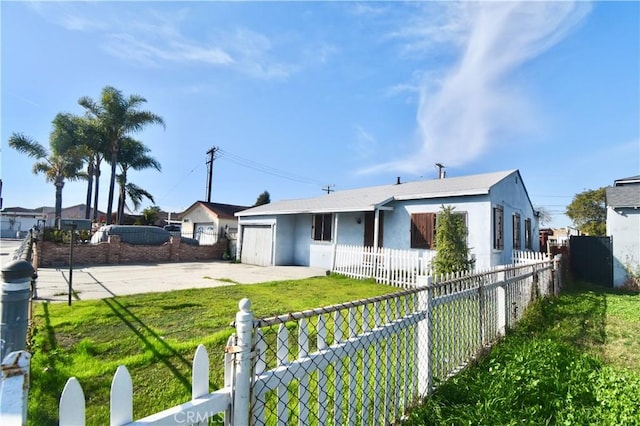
(364, 143)
(465, 108)
(155, 37)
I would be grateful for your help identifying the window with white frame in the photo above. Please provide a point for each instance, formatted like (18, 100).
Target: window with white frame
(321, 227)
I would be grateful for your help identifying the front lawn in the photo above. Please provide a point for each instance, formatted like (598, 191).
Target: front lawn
(155, 336)
(572, 360)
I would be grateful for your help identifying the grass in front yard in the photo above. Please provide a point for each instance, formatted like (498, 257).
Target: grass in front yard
(572, 360)
(155, 336)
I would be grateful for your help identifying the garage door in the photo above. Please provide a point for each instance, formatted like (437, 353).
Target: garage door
(206, 233)
(257, 245)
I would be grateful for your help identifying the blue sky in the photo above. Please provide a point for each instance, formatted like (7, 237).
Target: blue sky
(301, 95)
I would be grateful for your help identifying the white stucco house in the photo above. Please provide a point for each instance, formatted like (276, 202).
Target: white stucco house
(623, 226)
(498, 212)
(207, 222)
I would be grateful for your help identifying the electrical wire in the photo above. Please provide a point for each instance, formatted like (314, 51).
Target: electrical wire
(254, 165)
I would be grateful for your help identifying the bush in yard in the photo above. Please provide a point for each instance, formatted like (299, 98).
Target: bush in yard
(452, 253)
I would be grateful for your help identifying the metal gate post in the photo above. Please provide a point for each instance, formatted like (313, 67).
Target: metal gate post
(14, 306)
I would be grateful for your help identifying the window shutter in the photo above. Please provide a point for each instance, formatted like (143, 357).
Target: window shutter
(422, 230)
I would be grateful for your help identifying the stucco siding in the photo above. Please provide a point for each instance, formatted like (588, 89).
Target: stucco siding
(302, 240)
(623, 225)
(284, 240)
(512, 196)
(397, 230)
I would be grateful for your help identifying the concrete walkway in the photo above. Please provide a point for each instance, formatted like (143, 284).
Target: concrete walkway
(97, 282)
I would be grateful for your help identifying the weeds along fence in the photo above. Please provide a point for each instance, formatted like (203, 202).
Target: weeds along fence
(400, 268)
(360, 363)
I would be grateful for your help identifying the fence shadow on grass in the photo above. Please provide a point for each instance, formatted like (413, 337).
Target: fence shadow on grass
(577, 317)
(135, 323)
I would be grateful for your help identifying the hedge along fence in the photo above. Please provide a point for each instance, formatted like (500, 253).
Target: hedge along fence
(114, 252)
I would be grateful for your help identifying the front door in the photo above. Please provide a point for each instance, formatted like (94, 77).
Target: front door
(369, 219)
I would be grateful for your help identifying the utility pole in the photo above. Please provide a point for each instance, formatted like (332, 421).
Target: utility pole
(212, 156)
(328, 189)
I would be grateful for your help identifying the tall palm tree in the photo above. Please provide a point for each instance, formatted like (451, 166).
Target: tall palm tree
(83, 134)
(118, 118)
(60, 163)
(133, 155)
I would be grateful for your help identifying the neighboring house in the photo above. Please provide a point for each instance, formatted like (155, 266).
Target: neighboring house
(207, 222)
(623, 226)
(16, 221)
(556, 237)
(496, 207)
(73, 212)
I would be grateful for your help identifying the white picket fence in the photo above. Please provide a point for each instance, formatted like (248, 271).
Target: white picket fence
(400, 268)
(364, 362)
(520, 257)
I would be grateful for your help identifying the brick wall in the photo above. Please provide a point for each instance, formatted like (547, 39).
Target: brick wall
(116, 252)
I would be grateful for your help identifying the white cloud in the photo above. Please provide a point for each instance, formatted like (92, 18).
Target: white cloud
(156, 37)
(461, 113)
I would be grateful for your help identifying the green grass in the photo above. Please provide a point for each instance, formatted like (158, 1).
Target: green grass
(155, 335)
(572, 360)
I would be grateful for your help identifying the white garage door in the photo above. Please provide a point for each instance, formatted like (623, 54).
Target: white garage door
(206, 233)
(257, 245)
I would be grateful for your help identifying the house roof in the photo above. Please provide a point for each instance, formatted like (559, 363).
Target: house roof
(223, 211)
(368, 199)
(623, 196)
(627, 181)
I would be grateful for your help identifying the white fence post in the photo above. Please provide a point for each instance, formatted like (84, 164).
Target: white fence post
(72, 404)
(557, 274)
(14, 388)
(503, 309)
(242, 385)
(121, 397)
(424, 340)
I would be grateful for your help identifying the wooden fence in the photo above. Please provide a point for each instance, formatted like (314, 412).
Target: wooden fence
(364, 362)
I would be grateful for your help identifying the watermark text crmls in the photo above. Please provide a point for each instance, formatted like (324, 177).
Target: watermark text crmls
(190, 417)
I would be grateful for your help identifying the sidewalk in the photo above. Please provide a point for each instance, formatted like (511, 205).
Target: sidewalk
(98, 282)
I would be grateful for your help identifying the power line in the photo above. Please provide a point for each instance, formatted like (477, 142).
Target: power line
(254, 165)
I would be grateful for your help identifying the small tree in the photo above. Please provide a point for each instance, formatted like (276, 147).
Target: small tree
(452, 252)
(150, 215)
(588, 212)
(263, 198)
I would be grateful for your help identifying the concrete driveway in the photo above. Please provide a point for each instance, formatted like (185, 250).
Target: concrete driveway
(97, 282)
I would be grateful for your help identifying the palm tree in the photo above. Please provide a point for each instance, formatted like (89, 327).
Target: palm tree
(135, 194)
(118, 117)
(83, 134)
(62, 162)
(133, 155)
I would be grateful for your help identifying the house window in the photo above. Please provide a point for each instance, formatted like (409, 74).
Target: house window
(527, 234)
(498, 227)
(423, 230)
(516, 232)
(321, 229)
(424, 227)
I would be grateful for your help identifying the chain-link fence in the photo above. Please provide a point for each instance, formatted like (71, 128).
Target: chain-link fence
(367, 362)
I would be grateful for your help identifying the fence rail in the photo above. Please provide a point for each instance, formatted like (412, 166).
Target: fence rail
(365, 362)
